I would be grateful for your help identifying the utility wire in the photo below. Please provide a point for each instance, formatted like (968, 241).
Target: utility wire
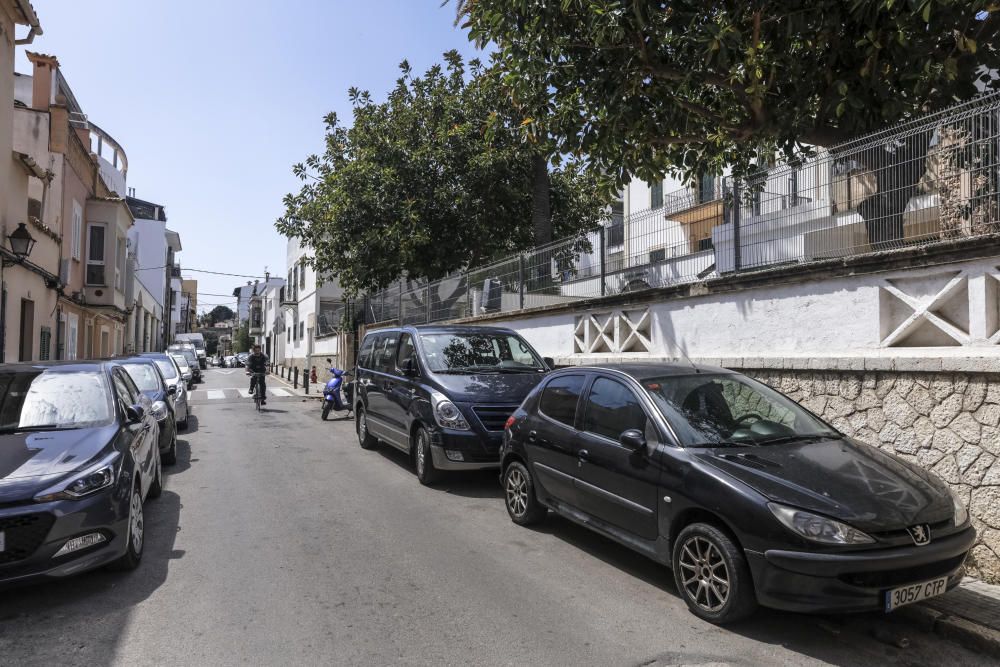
(217, 273)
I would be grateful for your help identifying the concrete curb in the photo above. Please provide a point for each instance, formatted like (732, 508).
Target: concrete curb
(971, 635)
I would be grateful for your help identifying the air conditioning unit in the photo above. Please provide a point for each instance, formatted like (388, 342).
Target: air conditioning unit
(64, 272)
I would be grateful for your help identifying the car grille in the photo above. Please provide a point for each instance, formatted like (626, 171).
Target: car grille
(907, 575)
(493, 417)
(23, 534)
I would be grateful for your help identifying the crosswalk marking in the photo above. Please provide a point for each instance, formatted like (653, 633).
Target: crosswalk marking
(245, 393)
(280, 392)
(215, 393)
(232, 392)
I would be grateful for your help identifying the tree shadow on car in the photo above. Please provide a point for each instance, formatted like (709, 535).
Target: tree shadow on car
(92, 607)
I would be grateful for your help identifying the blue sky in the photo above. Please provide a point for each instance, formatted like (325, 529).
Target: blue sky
(213, 101)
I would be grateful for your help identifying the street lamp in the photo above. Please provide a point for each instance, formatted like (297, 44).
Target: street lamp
(21, 244)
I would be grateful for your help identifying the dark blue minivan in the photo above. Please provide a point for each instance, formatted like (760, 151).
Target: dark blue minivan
(442, 394)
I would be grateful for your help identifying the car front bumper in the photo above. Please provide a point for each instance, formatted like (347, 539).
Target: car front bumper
(105, 512)
(855, 581)
(478, 451)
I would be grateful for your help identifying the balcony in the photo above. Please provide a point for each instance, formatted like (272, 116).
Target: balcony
(111, 159)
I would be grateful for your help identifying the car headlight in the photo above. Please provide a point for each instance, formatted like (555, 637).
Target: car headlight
(447, 414)
(93, 479)
(961, 512)
(159, 410)
(817, 528)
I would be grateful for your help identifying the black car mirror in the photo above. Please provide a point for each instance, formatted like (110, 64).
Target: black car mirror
(172, 389)
(550, 362)
(135, 413)
(633, 439)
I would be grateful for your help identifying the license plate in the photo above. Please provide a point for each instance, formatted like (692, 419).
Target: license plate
(904, 595)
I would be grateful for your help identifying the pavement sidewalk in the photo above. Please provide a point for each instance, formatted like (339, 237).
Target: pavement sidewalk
(968, 615)
(315, 390)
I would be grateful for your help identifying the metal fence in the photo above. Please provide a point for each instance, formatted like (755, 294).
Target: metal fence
(929, 180)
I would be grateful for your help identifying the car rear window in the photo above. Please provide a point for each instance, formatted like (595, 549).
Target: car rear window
(166, 368)
(560, 397)
(144, 376)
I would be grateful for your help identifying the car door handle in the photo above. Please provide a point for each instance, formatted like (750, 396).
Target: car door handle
(583, 454)
(532, 436)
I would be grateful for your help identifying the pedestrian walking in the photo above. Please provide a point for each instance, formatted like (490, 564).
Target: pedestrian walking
(312, 375)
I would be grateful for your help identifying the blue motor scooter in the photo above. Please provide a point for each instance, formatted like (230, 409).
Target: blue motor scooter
(332, 398)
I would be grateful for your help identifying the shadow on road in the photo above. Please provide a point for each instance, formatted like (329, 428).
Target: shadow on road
(471, 484)
(81, 619)
(192, 425)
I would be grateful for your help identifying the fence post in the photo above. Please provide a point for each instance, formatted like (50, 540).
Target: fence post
(737, 251)
(381, 308)
(427, 304)
(468, 295)
(604, 268)
(520, 280)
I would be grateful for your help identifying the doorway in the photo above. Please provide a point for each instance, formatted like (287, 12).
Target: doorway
(27, 329)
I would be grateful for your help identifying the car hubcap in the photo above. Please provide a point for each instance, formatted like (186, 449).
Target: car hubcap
(704, 574)
(421, 461)
(517, 492)
(135, 522)
(362, 427)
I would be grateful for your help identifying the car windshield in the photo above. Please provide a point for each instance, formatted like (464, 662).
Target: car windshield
(709, 410)
(166, 368)
(478, 353)
(144, 376)
(52, 399)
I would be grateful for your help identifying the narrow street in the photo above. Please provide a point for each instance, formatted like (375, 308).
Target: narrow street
(279, 541)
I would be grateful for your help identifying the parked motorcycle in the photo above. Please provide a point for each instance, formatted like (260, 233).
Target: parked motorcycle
(332, 398)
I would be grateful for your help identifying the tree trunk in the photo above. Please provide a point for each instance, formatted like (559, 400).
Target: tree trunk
(897, 172)
(541, 209)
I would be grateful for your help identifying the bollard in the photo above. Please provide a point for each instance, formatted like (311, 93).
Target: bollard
(295, 382)
(305, 381)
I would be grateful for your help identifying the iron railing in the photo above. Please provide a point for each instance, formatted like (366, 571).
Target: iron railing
(931, 179)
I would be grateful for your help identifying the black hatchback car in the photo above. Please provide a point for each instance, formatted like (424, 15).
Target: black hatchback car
(747, 496)
(442, 393)
(78, 457)
(147, 376)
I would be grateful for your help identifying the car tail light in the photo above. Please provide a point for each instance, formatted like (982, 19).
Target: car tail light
(510, 422)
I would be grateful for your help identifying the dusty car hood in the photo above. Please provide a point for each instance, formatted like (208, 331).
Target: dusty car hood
(32, 460)
(488, 388)
(840, 478)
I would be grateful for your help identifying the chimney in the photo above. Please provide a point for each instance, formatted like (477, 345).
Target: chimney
(42, 79)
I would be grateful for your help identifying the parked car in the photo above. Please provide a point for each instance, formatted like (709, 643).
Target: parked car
(746, 495)
(189, 353)
(78, 458)
(187, 374)
(241, 359)
(198, 341)
(149, 380)
(173, 376)
(442, 393)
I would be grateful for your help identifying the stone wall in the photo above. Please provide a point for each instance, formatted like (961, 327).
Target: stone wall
(945, 422)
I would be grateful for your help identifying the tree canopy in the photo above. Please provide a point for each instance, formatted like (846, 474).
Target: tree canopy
(436, 178)
(219, 314)
(647, 87)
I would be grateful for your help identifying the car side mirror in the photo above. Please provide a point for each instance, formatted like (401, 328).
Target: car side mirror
(135, 413)
(409, 367)
(550, 362)
(172, 389)
(633, 439)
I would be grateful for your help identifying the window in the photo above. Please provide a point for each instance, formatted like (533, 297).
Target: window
(302, 329)
(53, 398)
(612, 408)
(385, 354)
(144, 375)
(44, 344)
(76, 231)
(123, 390)
(706, 188)
(406, 351)
(95, 254)
(560, 396)
(302, 276)
(120, 264)
(657, 255)
(656, 194)
(447, 351)
(364, 355)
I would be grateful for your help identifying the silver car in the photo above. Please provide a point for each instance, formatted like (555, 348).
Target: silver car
(174, 377)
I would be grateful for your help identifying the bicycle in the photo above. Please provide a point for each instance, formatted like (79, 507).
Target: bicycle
(258, 389)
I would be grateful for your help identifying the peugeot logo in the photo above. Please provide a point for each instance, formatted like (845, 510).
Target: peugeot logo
(921, 534)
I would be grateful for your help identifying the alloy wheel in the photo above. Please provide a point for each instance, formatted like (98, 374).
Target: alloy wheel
(362, 427)
(421, 455)
(517, 492)
(135, 521)
(704, 574)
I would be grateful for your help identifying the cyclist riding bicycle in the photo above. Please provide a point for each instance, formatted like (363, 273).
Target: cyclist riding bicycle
(257, 363)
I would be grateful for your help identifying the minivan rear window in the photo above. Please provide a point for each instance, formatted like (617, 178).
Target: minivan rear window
(560, 398)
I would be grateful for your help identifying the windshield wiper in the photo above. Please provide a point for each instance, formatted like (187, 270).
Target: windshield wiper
(723, 443)
(803, 437)
(38, 427)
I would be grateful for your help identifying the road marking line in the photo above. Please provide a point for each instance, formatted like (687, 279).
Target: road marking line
(280, 392)
(213, 394)
(245, 393)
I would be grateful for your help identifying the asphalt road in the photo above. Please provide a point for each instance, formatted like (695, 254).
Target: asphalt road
(279, 541)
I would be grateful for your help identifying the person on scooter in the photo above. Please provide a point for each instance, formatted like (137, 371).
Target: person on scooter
(257, 363)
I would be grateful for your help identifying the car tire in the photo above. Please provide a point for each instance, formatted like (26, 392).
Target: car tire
(182, 425)
(136, 524)
(170, 458)
(156, 486)
(423, 460)
(712, 575)
(519, 495)
(326, 409)
(365, 439)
